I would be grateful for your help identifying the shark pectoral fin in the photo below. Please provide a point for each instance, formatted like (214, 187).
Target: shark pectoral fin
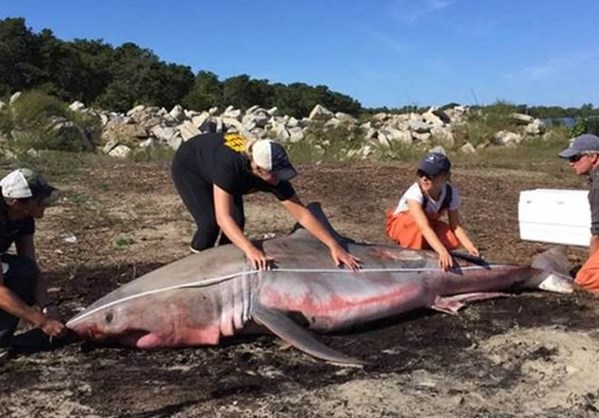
(447, 305)
(299, 337)
(452, 304)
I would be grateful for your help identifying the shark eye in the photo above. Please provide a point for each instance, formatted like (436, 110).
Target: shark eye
(108, 317)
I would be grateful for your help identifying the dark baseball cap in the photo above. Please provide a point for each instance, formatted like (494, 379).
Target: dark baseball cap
(434, 163)
(271, 155)
(24, 183)
(583, 144)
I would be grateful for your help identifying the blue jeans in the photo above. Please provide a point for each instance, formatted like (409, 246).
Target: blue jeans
(21, 278)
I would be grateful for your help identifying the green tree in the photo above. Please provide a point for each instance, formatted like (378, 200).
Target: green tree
(206, 92)
(19, 57)
(133, 78)
(173, 83)
(96, 59)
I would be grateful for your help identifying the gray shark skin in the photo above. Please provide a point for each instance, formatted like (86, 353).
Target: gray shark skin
(214, 294)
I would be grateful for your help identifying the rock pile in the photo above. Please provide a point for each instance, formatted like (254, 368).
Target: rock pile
(143, 127)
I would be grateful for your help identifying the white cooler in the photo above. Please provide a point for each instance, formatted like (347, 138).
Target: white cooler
(555, 216)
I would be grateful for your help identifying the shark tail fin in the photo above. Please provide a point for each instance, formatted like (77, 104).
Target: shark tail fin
(553, 260)
(299, 337)
(555, 276)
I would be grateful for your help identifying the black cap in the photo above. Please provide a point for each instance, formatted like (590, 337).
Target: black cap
(434, 163)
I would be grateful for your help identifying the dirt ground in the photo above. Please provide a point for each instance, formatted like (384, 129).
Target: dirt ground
(531, 355)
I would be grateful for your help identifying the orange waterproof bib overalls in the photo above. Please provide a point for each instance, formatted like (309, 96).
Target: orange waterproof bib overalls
(403, 230)
(588, 275)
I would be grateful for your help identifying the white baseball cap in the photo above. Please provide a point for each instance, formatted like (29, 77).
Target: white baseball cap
(271, 156)
(24, 183)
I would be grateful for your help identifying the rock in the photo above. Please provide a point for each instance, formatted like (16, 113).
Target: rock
(421, 137)
(320, 112)
(233, 125)
(535, 128)
(438, 149)
(177, 114)
(383, 139)
(14, 98)
(109, 146)
(77, 106)
(370, 133)
(188, 130)
(120, 151)
(293, 122)
(380, 117)
(396, 135)
(104, 119)
(163, 133)
(199, 120)
(444, 117)
(443, 136)
(148, 143)
(419, 126)
(232, 113)
(507, 138)
(296, 134)
(175, 142)
(522, 118)
(432, 119)
(136, 109)
(281, 133)
(468, 148)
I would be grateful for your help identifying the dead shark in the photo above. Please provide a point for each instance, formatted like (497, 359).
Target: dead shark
(214, 294)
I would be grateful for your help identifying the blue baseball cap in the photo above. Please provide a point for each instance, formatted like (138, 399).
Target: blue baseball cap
(583, 144)
(434, 163)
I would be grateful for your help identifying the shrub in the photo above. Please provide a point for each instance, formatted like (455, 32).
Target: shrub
(37, 120)
(34, 110)
(326, 144)
(164, 154)
(579, 128)
(593, 125)
(483, 124)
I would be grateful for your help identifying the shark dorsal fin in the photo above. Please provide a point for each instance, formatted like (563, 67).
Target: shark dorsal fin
(316, 209)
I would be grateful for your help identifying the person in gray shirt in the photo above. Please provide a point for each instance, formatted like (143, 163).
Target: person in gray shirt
(583, 156)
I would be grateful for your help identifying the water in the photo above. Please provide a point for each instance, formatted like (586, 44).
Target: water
(568, 122)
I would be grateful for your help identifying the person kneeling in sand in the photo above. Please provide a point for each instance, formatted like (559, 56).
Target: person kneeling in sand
(583, 157)
(24, 198)
(415, 222)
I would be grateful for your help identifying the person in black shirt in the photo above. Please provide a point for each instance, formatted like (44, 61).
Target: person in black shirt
(213, 171)
(25, 196)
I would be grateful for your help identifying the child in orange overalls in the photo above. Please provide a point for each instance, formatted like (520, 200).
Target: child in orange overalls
(415, 222)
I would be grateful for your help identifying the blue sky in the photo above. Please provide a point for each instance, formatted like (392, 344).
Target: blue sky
(380, 52)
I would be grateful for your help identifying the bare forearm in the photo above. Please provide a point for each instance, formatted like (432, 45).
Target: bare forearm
(234, 233)
(315, 227)
(463, 237)
(433, 240)
(12, 304)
